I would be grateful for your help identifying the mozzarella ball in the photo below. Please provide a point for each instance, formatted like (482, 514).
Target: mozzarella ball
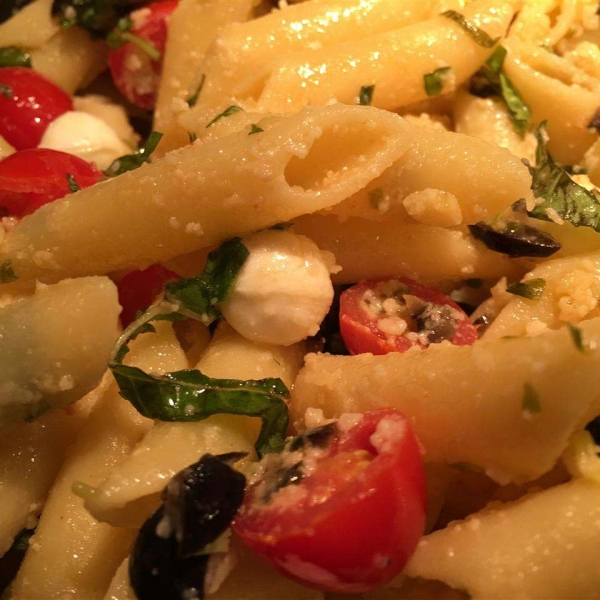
(85, 136)
(283, 290)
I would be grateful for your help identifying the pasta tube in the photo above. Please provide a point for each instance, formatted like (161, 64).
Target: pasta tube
(31, 27)
(542, 546)
(498, 405)
(71, 552)
(55, 346)
(205, 193)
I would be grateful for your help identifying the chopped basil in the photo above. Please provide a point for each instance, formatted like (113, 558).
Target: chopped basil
(515, 239)
(196, 297)
(192, 136)
(434, 82)
(193, 98)
(226, 113)
(558, 195)
(122, 35)
(480, 36)
(365, 96)
(577, 337)
(6, 90)
(13, 57)
(132, 161)
(491, 80)
(7, 273)
(189, 395)
(531, 400)
(255, 129)
(531, 289)
(73, 185)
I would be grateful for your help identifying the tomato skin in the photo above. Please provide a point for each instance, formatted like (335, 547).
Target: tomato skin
(32, 103)
(361, 333)
(363, 534)
(134, 73)
(139, 289)
(31, 178)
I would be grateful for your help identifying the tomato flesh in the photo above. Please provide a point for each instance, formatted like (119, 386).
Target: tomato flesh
(394, 315)
(354, 520)
(31, 178)
(134, 73)
(139, 289)
(28, 104)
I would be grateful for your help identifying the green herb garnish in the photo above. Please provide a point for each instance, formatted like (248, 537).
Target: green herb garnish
(434, 82)
(192, 137)
(7, 273)
(480, 36)
(255, 129)
(73, 185)
(531, 400)
(531, 289)
(577, 337)
(189, 395)
(6, 90)
(226, 113)
(193, 98)
(558, 195)
(365, 96)
(129, 162)
(122, 35)
(13, 57)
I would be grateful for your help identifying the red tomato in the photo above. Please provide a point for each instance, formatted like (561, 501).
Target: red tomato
(348, 517)
(139, 289)
(31, 178)
(134, 72)
(393, 315)
(28, 104)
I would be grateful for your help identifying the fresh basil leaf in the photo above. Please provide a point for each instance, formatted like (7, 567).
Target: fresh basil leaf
(255, 129)
(73, 185)
(193, 98)
(434, 82)
(531, 400)
(491, 80)
(531, 289)
(189, 395)
(132, 161)
(226, 113)
(480, 36)
(577, 337)
(7, 273)
(192, 137)
(6, 90)
(122, 35)
(515, 239)
(196, 297)
(365, 96)
(13, 57)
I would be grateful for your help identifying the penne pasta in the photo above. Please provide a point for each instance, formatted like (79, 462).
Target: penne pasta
(31, 27)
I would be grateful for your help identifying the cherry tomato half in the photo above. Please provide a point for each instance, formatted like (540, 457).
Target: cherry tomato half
(28, 104)
(133, 70)
(31, 178)
(139, 289)
(394, 315)
(342, 514)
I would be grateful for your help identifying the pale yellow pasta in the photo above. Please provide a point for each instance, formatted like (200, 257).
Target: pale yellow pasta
(192, 27)
(31, 27)
(450, 392)
(241, 57)
(169, 447)
(395, 62)
(5, 148)
(488, 119)
(71, 59)
(55, 346)
(556, 91)
(205, 193)
(71, 553)
(570, 295)
(368, 250)
(484, 179)
(542, 546)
